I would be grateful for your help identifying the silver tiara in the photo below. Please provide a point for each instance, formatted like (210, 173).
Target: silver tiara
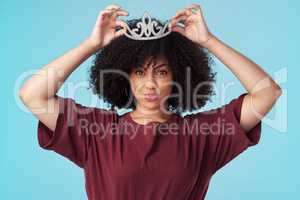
(147, 28)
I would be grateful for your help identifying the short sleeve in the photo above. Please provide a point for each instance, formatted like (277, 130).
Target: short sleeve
(226, 137)
(73, 130)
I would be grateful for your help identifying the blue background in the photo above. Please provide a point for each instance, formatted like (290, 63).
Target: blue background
(34, 33)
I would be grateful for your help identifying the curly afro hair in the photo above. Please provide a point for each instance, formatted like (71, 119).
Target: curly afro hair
(185, 57)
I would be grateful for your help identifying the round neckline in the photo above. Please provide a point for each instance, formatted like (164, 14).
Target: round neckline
(129, 117)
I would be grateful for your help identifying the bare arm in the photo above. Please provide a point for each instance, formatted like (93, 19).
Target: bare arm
(262, 89)
(54, 73)
(38, 92)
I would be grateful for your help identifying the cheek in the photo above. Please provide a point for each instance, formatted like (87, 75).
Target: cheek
(134, 84)
(166, 86)
(163, 85)
(136, 87)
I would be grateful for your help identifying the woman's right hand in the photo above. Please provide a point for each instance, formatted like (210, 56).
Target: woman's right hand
(104, 29)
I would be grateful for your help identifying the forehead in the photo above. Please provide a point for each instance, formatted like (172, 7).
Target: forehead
(153, 62)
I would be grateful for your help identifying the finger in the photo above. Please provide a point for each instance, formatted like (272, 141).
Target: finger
(194, 6)
(178, 30)
(181, 19)
(102, 15)
(175, 20)
(123, 10)
(107, 14)
(121, 23)
(116, 13)
(121, 13)
(113, 6)
(120, 32)
(182, 12)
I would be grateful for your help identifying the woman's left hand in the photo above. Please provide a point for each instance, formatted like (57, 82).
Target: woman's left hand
(195, 27)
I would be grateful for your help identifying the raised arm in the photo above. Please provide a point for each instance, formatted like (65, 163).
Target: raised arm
(38, 92)
(262, 89)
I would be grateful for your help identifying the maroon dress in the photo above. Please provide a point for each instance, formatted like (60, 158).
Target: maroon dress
(124, 160)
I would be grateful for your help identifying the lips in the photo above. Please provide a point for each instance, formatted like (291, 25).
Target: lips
(151, 97)
(151, 94)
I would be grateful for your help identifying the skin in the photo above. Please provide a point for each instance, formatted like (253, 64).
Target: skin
(262, 90)
(35, 94)
(153, 77)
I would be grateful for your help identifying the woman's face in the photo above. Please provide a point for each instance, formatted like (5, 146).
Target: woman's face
(151, 84)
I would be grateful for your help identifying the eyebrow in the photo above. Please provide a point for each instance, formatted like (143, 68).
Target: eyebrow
(161, 65)
(156, 67)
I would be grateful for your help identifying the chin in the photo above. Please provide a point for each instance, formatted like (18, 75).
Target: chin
(152, 105)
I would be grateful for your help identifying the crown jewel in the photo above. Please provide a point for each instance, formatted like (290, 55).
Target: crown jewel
(147, 31)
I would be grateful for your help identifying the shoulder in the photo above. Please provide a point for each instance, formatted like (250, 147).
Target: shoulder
(71, 107)
(206, 115)
(232, 106)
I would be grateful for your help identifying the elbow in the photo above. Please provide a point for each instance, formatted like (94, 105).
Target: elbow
(23, 95)
(269, 94)
(30, 97)
(277, 91)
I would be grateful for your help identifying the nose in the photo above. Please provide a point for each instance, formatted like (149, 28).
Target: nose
(150, 82)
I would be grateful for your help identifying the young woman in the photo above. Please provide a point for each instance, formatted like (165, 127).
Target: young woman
(151, 152)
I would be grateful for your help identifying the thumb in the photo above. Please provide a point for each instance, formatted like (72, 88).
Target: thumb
(178, 29)
(120, 32)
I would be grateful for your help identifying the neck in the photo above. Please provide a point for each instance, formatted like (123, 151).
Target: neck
(155, 114)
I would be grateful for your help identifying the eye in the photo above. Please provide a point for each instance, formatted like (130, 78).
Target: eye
(139, 72)
(162, 72)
